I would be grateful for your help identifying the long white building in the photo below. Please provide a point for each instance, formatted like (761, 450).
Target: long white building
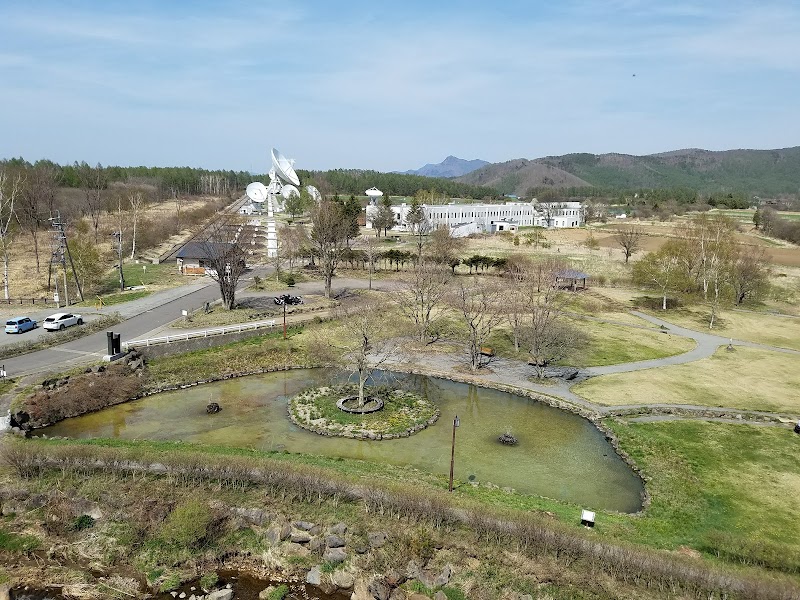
(463, 219)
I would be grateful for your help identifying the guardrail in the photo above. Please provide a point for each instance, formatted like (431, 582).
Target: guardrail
(182, 337)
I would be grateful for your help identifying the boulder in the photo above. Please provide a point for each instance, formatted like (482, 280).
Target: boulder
(440, 595)
(251, 515)
(338, 529)
(314, 576)
(377, 539)
(398, 594)
(443, 578)
(342, 580)
(334, 541)
(303, 525)
(278, 533)
(300, 537)
(334, 555)
(315, 530)
(226, 594)
(394, 578)
(5, 591)
(379, 589)
(315, 544)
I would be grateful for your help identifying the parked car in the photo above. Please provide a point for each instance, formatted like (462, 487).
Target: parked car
(288, 299)
(61, 321)
(20, 325)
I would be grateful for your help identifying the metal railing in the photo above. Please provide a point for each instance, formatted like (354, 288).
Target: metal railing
(182, 337)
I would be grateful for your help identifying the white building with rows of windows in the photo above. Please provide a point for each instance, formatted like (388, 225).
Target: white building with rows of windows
(465, 219)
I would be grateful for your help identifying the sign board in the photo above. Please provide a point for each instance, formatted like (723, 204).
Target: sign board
(185, 313)
(55, 297)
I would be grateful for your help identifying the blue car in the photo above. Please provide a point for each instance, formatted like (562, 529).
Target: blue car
(20, 325)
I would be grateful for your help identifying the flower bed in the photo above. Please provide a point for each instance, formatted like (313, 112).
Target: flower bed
(403, 414)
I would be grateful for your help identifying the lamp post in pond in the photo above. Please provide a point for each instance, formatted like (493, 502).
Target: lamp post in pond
(456, 423)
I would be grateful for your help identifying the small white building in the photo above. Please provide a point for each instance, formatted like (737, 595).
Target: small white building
(491, 218)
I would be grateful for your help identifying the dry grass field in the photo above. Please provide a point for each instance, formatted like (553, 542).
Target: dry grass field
(26, 282)
(746, 378)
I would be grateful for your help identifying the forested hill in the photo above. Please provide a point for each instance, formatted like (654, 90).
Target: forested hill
(760, 172)
(355, 181)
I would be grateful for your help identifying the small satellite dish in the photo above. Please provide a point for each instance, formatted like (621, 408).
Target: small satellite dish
(257, 192)
(284, 168)
(374, 192)
(289, 190)
(314, 193)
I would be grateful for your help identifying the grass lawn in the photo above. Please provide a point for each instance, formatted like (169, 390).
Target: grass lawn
(762, 328)
(160, 276)
(608, 345)
(746, 378)
(727, 490)
(219, 317)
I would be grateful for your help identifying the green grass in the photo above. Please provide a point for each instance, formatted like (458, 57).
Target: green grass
(117, 298)
(727, 490)
(13, 542)
(165, 274)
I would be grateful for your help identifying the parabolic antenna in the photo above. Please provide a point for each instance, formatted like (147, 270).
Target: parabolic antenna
(289, 190)
(314, 193)
(284, 168)
(374, 192)
(257, 192)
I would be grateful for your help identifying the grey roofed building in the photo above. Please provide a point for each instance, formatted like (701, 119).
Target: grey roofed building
(193, 258)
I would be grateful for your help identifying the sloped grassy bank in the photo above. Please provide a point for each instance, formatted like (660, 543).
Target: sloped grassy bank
(172, 512)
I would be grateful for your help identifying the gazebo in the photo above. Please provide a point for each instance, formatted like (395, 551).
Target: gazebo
(570, 278)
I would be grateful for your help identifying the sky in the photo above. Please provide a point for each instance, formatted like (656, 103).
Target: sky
(392, 85)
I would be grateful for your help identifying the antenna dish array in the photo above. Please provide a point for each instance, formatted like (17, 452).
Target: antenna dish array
(283, 182)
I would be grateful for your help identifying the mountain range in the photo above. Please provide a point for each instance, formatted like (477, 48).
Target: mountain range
(451, 166)
(761, 172)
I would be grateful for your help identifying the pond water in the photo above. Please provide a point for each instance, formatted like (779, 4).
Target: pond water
(559, 455)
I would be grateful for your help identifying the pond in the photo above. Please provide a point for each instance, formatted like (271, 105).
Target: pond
(559, 455)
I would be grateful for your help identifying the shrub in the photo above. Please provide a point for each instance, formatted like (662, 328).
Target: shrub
(187, 525)
(279, 593)
(209, 580)
(82, 522)
(171, 582)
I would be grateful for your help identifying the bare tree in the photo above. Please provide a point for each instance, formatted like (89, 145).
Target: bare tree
(292, 240)
(37, 201)
(630, 238)
(137, 204)
(544, 333)
(519, 273)
(443, 248)
(329, 237)
(364, 345)
(369, 246)
(11, 186)
(423, 291)
(749, 273)
(382, 218)
(225, 255)
(476, 303)
(93, 182)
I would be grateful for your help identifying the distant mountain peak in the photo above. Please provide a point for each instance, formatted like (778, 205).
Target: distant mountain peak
(452, 166)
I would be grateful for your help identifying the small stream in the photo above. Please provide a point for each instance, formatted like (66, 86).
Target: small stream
(559, 455)
(245, 587)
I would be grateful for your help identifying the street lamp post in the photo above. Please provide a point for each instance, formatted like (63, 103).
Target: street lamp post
(456, 423)
(284, 319)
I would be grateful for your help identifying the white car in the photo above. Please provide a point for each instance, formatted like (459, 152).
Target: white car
(61, 321)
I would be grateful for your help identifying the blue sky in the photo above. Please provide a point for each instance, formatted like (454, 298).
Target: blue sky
(392, 85)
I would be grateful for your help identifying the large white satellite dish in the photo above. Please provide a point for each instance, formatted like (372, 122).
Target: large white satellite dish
(374, 192)
(289, 190)
(257, 192)
(284, 168)
(314, 193)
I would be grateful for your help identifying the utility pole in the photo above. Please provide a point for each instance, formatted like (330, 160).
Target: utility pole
(60, 254)
(456, 423)
(117, 235)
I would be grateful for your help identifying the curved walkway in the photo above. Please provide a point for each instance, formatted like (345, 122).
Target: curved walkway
(517, 374)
